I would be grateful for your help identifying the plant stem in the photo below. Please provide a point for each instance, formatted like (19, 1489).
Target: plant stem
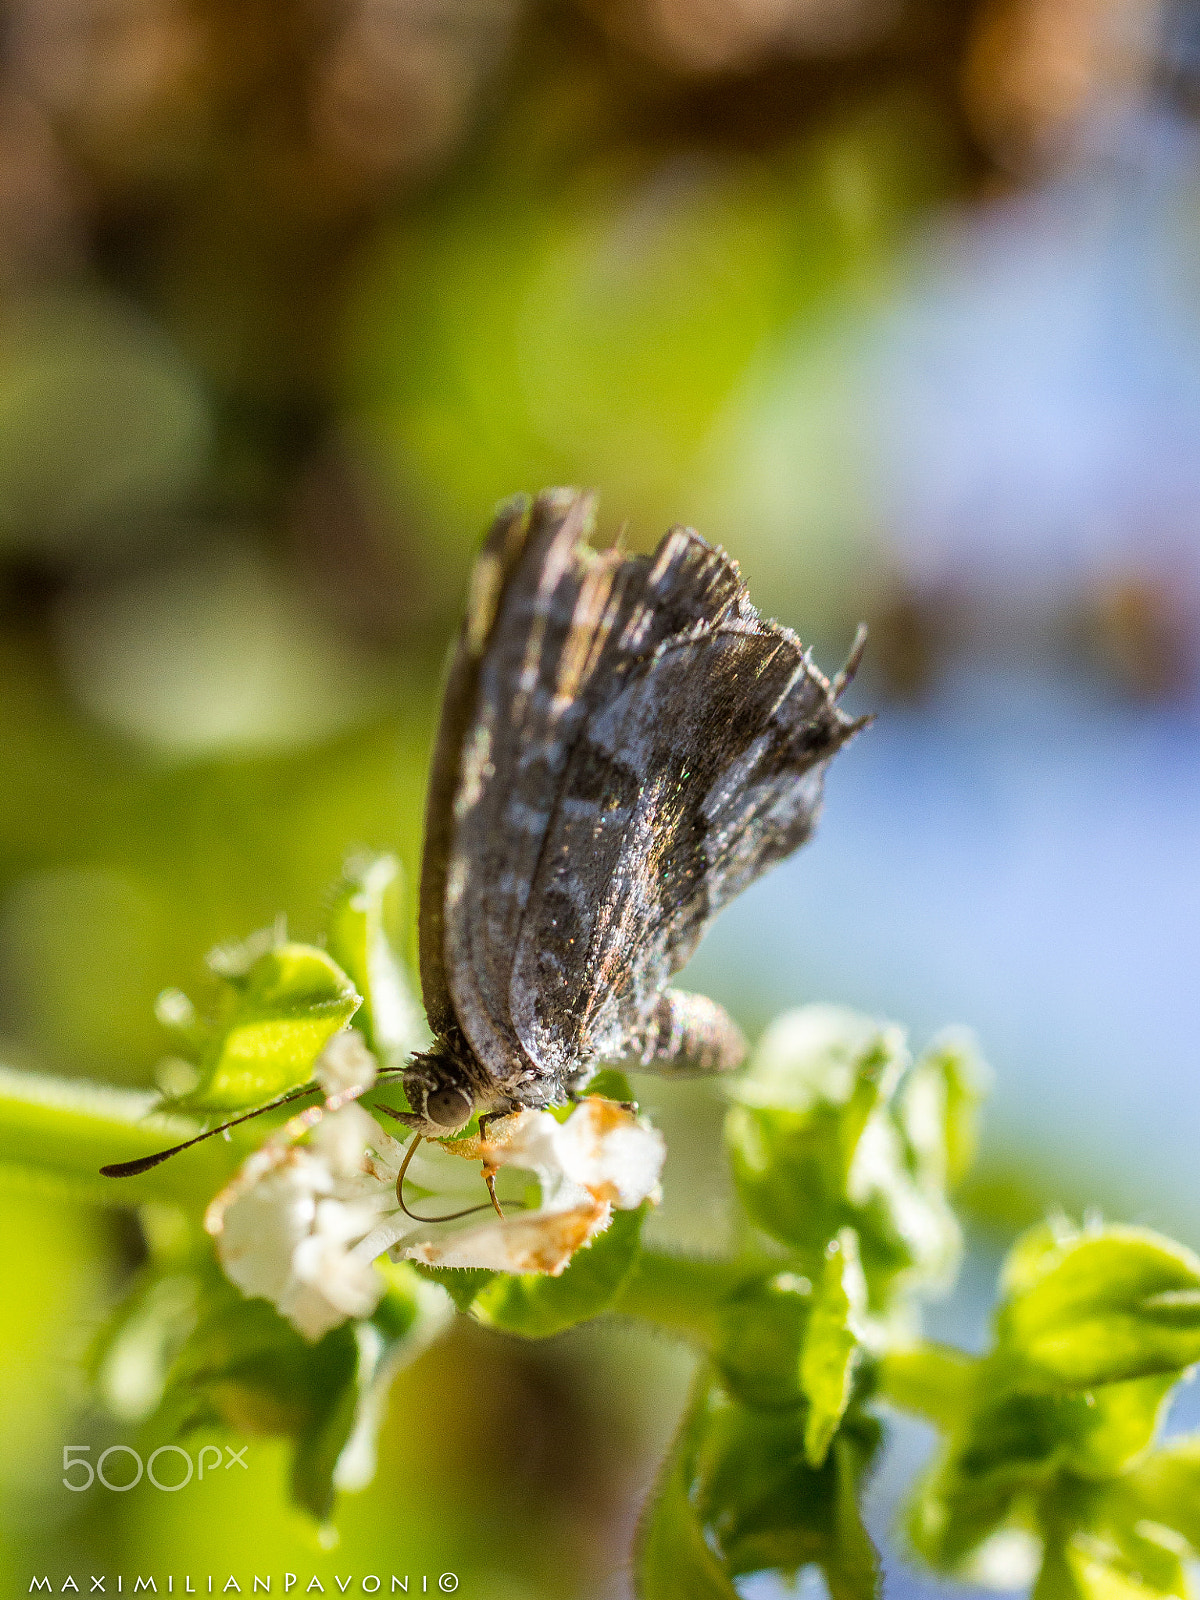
(60, 1131)
(929, 1380)
(680, 1293)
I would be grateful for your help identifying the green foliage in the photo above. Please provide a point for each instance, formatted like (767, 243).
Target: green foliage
(784, 1342)
(244, 1367)
(280, 1006)
(739, 1496)
(613, 1085)
(1108, 1562)
(202, 1355)
(1053, 1430)
(280, 1002)
(536, 1306)
(1165, 1489)
(831, 1346)
(844, 1152)
(1103, 1305)
(675, 1560)
(361, 935)
(57, 1133)
(832, 1129)
(760, 1338)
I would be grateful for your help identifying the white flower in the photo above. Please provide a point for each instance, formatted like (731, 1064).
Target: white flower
(329, 1282)
(601, 1157)
(544, 1241)
(285, 1224)
(345, 1065)
(606, 1149)
(300, 1225)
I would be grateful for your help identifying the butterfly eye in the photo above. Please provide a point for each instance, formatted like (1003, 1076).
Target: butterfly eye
(449, 1108)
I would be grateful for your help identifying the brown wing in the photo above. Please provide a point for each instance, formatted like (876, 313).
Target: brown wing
(595, 707)
(553, 630)
(705, 769)
(494, 566)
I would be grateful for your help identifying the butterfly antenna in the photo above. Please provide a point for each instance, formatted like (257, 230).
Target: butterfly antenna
(843, 679)
(133, 1169)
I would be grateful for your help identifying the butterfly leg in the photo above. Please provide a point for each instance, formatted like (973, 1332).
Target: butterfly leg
(489, 1172)
(687, 1035)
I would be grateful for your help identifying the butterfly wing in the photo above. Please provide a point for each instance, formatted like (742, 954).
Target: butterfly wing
(705, 768)
(494, 567)
(551, 632)
(595, 706)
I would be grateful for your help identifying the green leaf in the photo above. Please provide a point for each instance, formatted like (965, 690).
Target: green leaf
(537, 1306)
(411, 1314)
(462, 1284)
(939, 1109)
(360, 933)
(1012, 1438)
(177, 1014)
(673, 1559)
(759, 1339)
(1104, 1522)
(319, 1447)
(831, 1345)
(692, 1296)
(824, 1056)
(1010, 1446)
(1026, 1259)
(283, 1011)
(737, 1497)
(817, 1144)
(932, 1380)
(1085, 1566)
(1094, 1433)
(766, 1510)
(131, 1356)
(1165, 1489)
(247, 1368)
(243, 1366)
(1118, 1423)
(1022, 1436)
(799, 1112)
(1103, 1306)
(951, 1520)
(789, 1172)
(612, 1085)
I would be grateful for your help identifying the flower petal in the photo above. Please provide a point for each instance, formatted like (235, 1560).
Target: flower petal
(542, 1242)
(341, 1139)
(300, 1225)
(602, 1147)
(328, 1285)
(345, 1064)
(610, 1152)
(264, 1223)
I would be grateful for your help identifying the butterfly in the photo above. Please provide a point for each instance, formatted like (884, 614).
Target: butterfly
(625, 745)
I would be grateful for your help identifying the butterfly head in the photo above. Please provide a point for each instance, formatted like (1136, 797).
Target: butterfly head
(440, 1094)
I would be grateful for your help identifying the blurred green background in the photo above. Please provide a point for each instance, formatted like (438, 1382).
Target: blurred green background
(895, 298)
